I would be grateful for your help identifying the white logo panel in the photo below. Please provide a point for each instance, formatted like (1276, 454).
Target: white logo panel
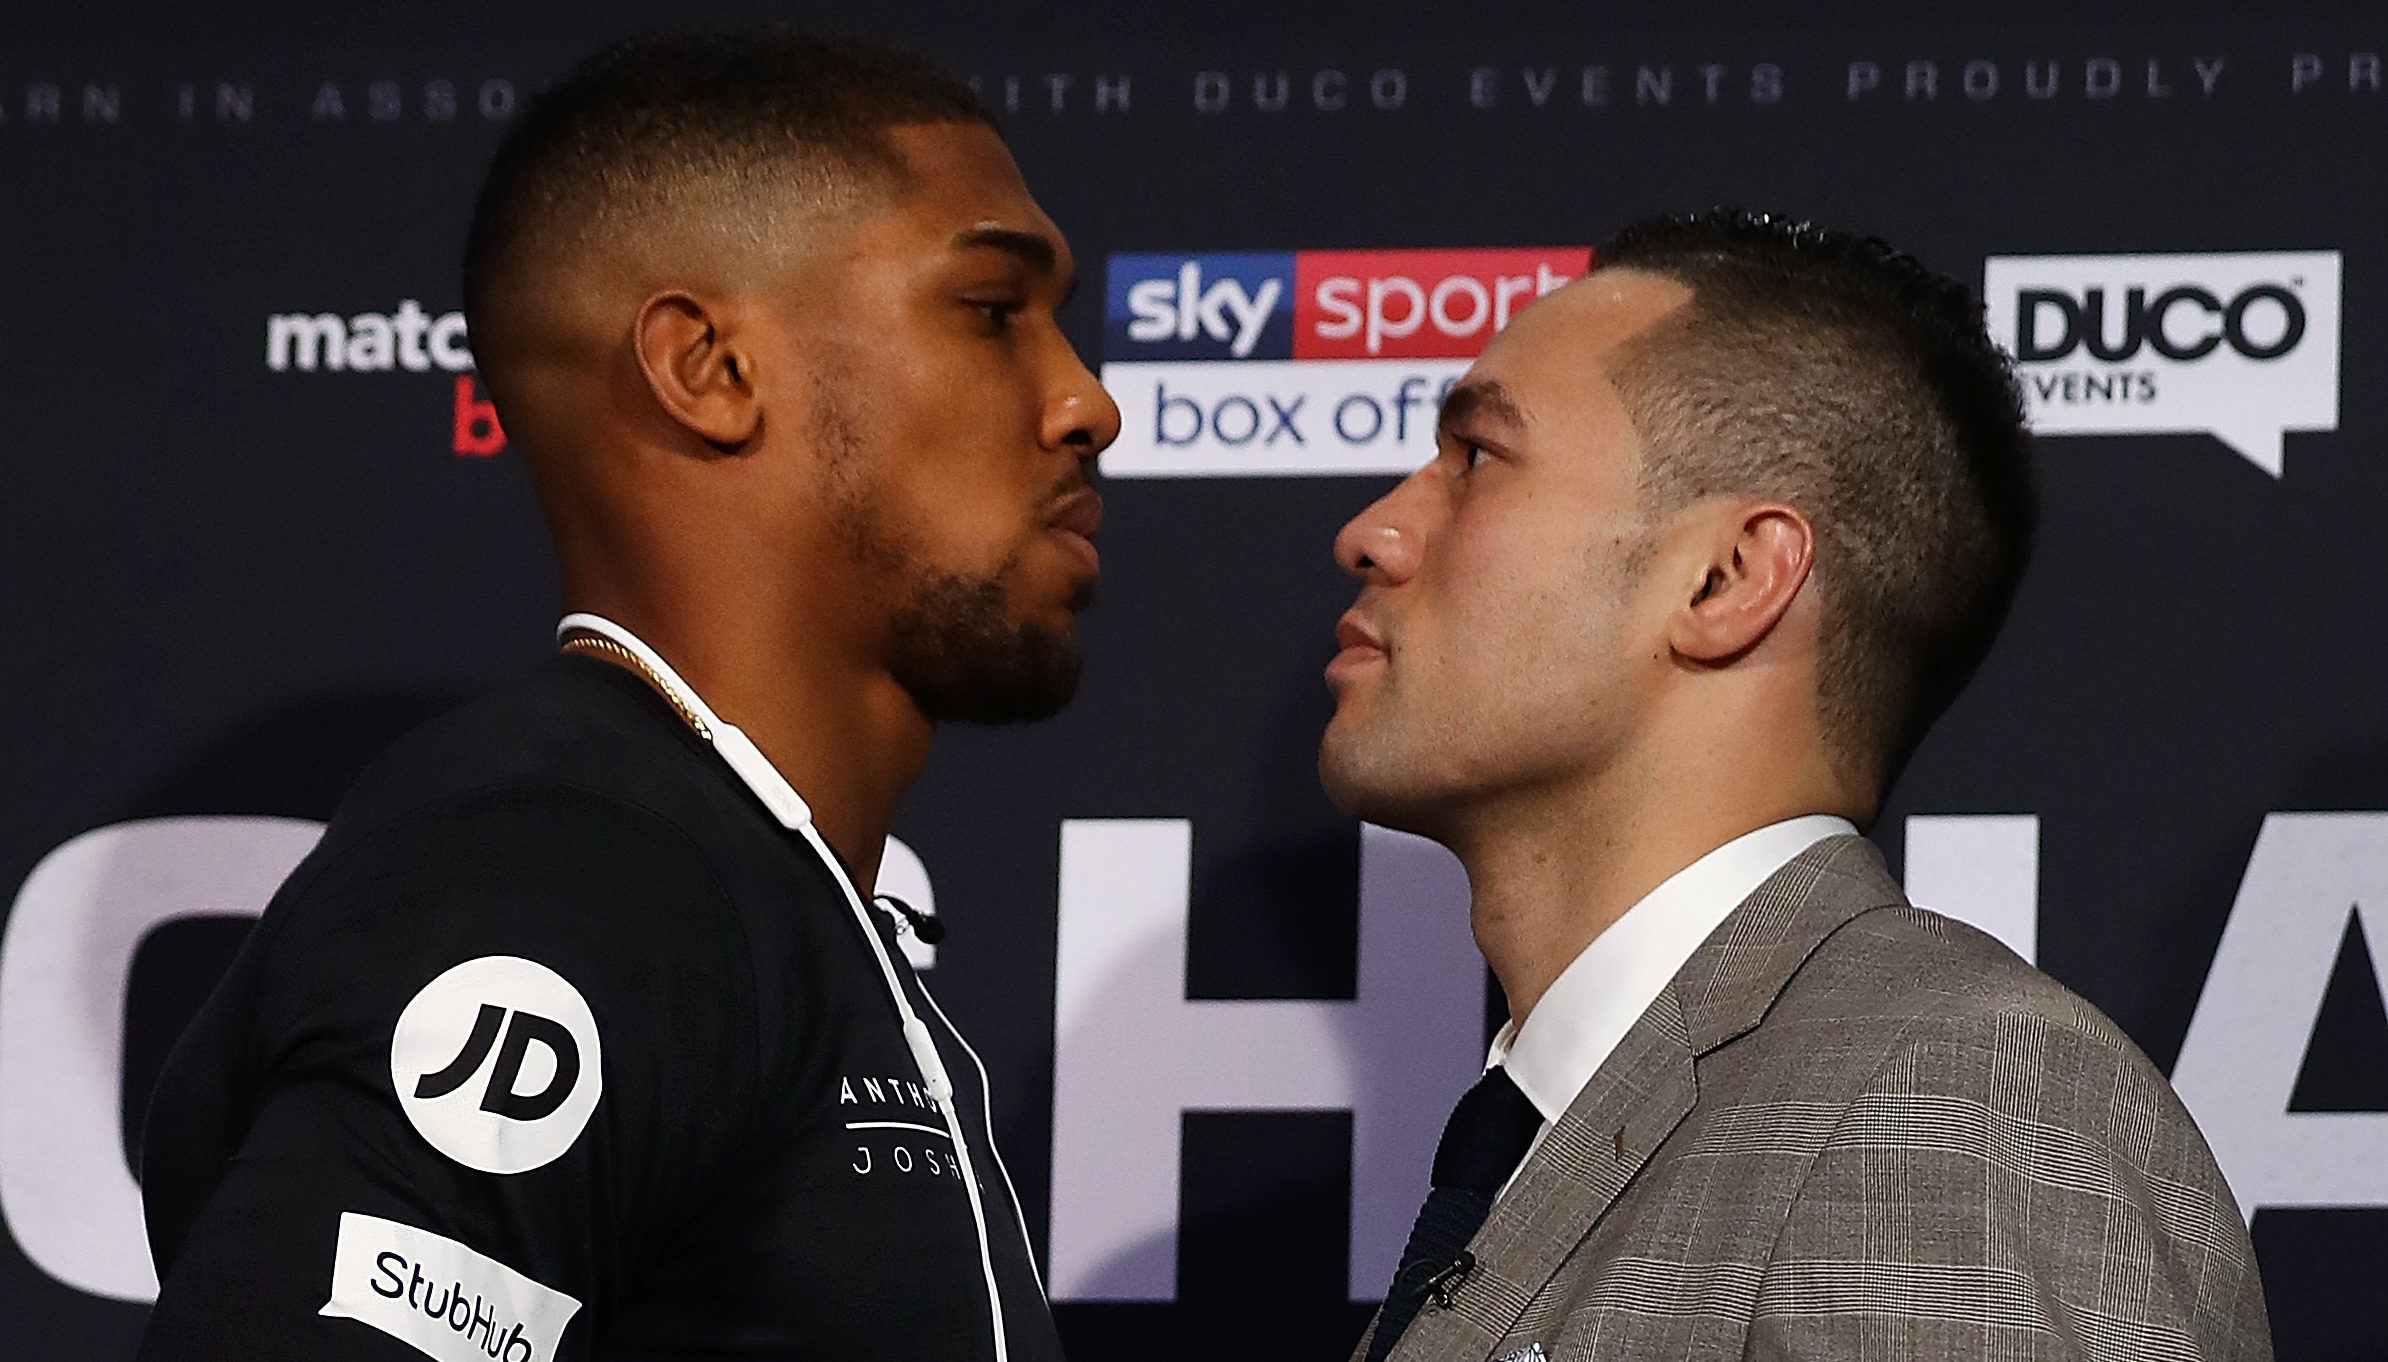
(497, 1064)
(431, 1292)
(2241, 346)
(1275, 418)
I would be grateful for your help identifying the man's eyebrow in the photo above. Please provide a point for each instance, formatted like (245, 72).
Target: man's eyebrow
(1480, 397)
(1032, 249)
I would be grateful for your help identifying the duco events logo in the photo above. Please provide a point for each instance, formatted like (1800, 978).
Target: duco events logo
(2241, 346)
(1290, 363)
(408, 340)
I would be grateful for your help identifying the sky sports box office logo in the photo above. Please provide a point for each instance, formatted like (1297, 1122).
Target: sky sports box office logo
(1286, 363)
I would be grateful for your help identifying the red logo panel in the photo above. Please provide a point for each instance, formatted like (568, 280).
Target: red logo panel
(1418, 304)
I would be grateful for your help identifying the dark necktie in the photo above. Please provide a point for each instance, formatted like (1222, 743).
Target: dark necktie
(1487, 1134)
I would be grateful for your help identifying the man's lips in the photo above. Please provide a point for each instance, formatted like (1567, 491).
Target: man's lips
(1362, 647)
(1074, 522)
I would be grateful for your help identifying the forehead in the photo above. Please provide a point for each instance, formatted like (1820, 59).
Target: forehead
(1547, 377)
(963, 179)
(1552, 361)
(1566, 338)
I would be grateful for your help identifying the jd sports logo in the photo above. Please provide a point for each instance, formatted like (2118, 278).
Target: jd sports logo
(500, 1096)
(497, 1064)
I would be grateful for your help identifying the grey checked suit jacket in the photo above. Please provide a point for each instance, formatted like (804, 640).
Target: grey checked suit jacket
(1853, 1129)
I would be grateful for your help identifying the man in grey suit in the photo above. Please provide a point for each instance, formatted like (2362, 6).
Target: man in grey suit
(1712, 536)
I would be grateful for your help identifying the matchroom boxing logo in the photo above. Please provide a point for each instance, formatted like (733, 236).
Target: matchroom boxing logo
(2241, 346)
(408, 340)
(1286, 363)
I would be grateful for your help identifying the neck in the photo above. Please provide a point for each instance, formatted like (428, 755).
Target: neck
(850, 741)
(1551, 869)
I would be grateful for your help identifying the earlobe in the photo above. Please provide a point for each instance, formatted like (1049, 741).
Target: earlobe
(698, 371)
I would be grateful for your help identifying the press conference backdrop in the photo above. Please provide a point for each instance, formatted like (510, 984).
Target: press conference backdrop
(256, 518)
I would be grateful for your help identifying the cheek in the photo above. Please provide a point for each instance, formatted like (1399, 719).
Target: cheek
(959, 524)
(956, 483)
(1535, 622)
(963, 381)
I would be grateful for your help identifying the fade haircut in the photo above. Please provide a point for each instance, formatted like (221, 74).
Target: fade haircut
(714, 125)
(1834, 373)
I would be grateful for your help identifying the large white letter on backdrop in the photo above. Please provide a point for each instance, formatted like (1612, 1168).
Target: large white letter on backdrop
(1132, 1053)
(1981, 869)
(2247, 1039)
(65, 963)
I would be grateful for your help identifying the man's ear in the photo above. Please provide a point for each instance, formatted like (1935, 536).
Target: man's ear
(1759, 554)
(698, 368)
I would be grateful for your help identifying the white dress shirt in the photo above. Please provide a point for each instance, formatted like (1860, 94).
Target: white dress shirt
(1613, 981)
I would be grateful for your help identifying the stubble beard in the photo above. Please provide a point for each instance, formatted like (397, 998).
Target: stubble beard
(955, 648)
(953, 642)
(1369, 766)
(1402, 761)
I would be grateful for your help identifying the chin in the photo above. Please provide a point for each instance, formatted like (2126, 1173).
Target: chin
(1382, 783)
(1053, 606)
(1356, 783)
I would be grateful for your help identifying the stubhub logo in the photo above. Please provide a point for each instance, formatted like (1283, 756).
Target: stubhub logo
(1291, 363)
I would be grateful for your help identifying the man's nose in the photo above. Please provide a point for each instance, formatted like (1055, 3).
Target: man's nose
(1380, 545)
(1081, 417)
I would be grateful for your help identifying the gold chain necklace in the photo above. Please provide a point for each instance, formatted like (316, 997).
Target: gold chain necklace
(590, 643)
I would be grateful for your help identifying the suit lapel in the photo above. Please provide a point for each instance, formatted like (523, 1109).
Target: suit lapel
(1593, 1150)
(1645, 1089)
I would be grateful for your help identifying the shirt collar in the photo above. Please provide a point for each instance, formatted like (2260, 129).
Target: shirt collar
(1600, 995)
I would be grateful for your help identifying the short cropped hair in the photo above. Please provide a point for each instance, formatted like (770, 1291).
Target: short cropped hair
(1841, 376)
(707, 122)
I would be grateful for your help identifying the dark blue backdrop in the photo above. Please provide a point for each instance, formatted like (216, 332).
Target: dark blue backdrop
(222, 585)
